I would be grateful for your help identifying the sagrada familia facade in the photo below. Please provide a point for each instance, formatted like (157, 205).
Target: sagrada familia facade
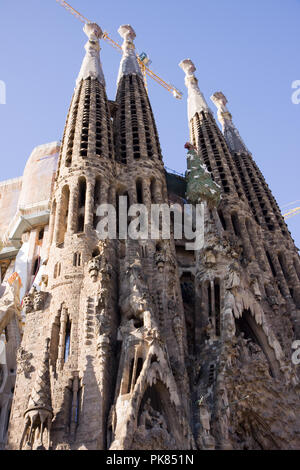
(126, 344)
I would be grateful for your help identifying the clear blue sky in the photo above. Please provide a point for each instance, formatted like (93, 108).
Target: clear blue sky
(249, 49)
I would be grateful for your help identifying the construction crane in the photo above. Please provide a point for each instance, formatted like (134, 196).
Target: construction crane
(143, 59)
(292, 213)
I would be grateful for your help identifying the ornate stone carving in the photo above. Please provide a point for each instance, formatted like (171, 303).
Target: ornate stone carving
(255, 288)
(38, 415)
(231, 133)
(271, 295)
(151, 418)
(210, 257)
(28, 303)
(34, 300)
(164, 256)
(94, 268)
(99, 264)
(24, 362)
(160, 259)
(135, 299)
(39, 298)
(233, 280)
(10, 301)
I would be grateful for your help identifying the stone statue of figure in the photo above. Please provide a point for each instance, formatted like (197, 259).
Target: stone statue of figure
(200, 185)
(10, 301)
(135, 299)
(150, 417)
(146, 416)
(210, 330)
(233, 279)
(204, 417)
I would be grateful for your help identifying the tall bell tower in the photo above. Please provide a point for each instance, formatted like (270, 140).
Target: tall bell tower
(246, 292)
(78, 300)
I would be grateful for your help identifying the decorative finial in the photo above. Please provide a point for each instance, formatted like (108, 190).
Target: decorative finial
(196, 100)
(127, 33)
(220, 100)
(129, 64)
(91, 65)
(231, 134)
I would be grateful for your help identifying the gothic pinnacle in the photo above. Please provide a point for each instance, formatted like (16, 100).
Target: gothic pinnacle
(91, 66)
(196, 100)
(129, 64)
(40, 397)
(231, 134)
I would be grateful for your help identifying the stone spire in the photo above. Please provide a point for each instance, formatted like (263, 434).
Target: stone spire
(134, 114)
(39, 412)
(231, 134)
(91, 65)
(196, 100)
(129, 64)
(40, 397)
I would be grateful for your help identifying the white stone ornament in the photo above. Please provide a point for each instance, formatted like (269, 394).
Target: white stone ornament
(196, 101)
(231, 134)
(129, 64)
(91, 66)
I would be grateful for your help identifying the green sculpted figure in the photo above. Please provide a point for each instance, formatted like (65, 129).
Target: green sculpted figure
(200, 185)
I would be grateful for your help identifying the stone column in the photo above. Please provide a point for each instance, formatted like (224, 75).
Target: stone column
(74, 410)
(58, 219)
(146, 193)
(104, 192)
(246, 239)
(280, 275)
(73, 208)
(89, 204)
(62, 336)
(157, 192)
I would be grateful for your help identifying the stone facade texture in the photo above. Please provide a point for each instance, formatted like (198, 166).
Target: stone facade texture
(141, 344)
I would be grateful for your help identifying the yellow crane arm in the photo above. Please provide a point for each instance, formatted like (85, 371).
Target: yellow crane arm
(145, 70)
(291, 213)
(74, 12)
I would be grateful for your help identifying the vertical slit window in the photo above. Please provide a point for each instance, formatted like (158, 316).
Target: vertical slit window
(138, 368)
(139, 192)
(67, 340)
(130, 375)
(81, 205)
(209, 299)
(222, 220)
(217, 307)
